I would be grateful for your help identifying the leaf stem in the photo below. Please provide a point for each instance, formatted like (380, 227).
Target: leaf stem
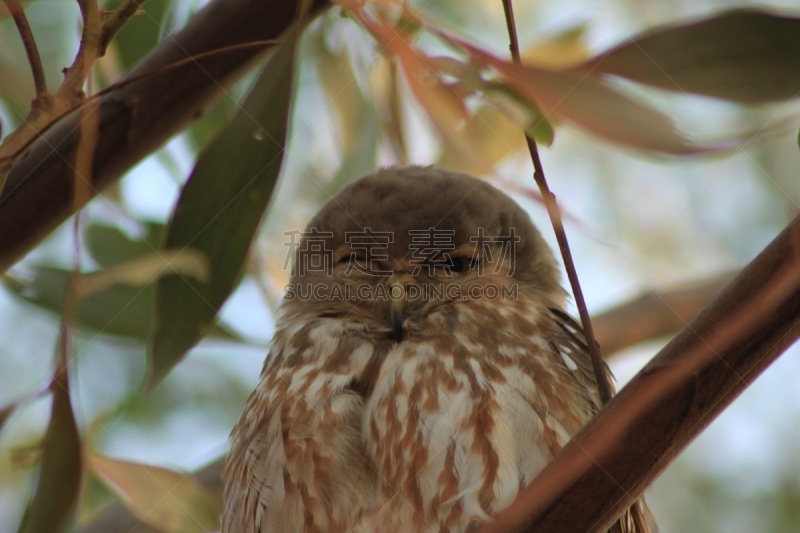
(553, 211)
(18, 14)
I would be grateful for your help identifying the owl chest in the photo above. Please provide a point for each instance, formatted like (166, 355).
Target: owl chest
(454, 436)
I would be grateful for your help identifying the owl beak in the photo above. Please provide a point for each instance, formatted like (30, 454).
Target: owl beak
(399, 285)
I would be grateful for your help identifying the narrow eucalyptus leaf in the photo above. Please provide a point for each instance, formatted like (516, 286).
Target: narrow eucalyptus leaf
(219, 211)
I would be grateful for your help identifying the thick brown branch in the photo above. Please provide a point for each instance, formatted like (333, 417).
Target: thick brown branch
(138, 118)
(691, 381)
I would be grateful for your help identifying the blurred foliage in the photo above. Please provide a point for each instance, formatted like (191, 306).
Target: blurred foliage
(419, 82)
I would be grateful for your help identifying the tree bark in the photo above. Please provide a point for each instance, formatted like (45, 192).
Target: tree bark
(140, 116)
(691, 381)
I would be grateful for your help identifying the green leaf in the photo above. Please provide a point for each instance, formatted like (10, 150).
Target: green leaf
(59, 481)
(109, 246)
(542, 131)
(743, 55)
(164, 499)
(142, 32)
(121, 310)
(203, 130)
(525, 113)
(220, 209)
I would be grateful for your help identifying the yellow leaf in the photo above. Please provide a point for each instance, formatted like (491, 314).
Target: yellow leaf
(496, 134)
(564, 49)
(443, 105)
(165, 499)
(144, 270)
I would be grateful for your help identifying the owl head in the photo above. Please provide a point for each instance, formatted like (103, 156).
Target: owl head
(400, 243)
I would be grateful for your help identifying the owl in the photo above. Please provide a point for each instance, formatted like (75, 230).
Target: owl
(423, 369)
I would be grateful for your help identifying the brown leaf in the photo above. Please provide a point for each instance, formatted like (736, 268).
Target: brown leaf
(742, 55)
(443, 105)
(591, 104)
(59, 480)
(5, 414)
(165, 499)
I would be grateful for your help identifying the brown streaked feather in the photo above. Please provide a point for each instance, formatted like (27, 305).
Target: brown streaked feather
(570, 342)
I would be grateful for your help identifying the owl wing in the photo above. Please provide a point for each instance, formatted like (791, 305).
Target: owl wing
(255, 495)
(569, 342)
(297, 461)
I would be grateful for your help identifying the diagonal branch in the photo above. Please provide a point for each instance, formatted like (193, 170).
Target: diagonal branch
(690, 382)
(139, 117)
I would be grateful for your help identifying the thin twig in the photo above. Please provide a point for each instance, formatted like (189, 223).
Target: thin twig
(117, 20)
(558, 227)
(71, 91)
(15, 8)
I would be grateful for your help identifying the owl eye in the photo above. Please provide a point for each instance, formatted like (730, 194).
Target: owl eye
(454, 264)
(458, 264)
(352, 257)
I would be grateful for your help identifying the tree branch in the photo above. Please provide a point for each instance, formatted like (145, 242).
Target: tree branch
(139, 117)
(691, 381)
